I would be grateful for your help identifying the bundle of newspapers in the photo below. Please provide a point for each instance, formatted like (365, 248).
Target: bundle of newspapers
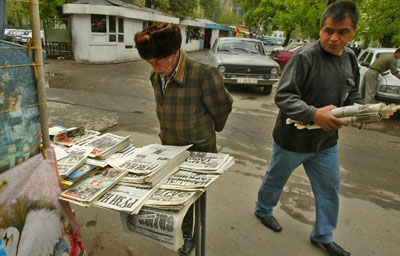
(359, 114)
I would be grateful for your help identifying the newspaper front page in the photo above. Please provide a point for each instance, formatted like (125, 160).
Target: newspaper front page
(189, 181)
(149, 158)
(76, 157)
(106, 144)
(163, 227)
(169, 199)
(125, 198)
(89, 189)
(204, 161)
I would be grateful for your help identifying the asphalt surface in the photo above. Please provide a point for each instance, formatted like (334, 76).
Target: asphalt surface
(118, 98)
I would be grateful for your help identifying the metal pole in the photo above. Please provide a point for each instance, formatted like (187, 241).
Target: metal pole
(38, 58)
(203, 198)
(197, 226)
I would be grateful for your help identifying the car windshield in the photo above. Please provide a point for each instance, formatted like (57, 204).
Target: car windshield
(242, 46)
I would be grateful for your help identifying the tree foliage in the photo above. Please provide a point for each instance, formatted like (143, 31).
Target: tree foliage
(380, 21)
(286, 15)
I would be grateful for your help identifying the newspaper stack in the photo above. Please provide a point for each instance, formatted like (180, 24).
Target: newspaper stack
(77, 175)
(106, 145)
(150, 164)
(71, 136)
(192, 177)
(76, 157)
(168, 199)
(205, 162)
(355, 114)
(125, 198)
(91, 188)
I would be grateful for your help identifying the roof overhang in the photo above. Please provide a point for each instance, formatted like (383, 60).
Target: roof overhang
(118, 11)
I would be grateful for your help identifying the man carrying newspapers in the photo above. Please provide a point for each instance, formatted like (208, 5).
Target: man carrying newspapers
(191, 100)
(319, 77)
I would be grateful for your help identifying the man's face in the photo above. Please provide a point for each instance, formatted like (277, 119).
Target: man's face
(335, 36)
(164, 66)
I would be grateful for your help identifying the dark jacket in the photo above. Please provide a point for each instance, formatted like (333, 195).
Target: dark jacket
(313, 78)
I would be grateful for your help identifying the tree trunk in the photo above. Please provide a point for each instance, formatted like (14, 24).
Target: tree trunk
(288, 35)
(147, 3)
(387, 41)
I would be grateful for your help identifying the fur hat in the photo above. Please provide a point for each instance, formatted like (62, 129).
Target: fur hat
(158, 40)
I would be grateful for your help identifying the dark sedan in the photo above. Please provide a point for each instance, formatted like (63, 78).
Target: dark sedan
(244, 61)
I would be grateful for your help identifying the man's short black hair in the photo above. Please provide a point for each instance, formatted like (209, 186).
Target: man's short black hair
(339, 11)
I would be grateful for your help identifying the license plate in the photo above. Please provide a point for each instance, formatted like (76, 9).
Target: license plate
(247, 80)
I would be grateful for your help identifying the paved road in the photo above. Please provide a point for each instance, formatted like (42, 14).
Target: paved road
(118, 98)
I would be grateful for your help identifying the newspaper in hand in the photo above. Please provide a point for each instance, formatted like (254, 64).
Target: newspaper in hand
(92, 187)
(355, 114)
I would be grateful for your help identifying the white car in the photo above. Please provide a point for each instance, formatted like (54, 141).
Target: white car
(388, 89)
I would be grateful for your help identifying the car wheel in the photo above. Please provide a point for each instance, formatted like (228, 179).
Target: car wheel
(267, 89)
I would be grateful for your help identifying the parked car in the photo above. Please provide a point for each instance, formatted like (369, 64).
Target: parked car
(282, 55)
(388, 89)
(269, 42)
(26, 35)
(9, 35)
(244, 61)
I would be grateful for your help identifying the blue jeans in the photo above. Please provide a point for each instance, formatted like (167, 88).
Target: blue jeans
(323, 172)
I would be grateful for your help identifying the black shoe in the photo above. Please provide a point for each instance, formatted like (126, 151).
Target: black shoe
(188, 244)
(271, 223)
(332, 248)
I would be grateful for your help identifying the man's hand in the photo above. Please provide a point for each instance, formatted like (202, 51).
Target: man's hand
(328, 122)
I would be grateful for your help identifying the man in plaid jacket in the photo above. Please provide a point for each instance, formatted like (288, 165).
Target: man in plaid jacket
(192, 102)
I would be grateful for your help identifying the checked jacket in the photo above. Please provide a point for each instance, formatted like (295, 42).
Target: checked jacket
(193, 107)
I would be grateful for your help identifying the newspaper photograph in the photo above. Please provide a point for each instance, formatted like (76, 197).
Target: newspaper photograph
(76, 157)
(187, 180)
(77, 175)
(125, 198)
(149, 158)
(94, 185)
(204, 161)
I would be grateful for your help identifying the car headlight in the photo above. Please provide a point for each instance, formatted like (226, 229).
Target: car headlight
(274, 71)
(221, 69)
(389, 89)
